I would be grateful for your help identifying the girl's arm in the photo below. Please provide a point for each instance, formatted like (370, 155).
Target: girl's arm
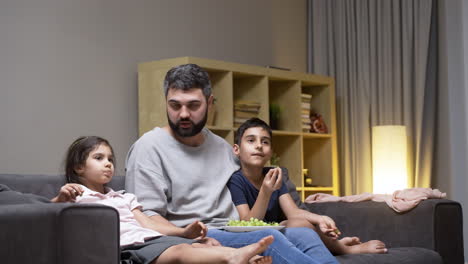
(271, 182)
(196, 230)
(294, 213)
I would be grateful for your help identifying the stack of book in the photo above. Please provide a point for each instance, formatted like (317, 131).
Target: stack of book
(305, 112)
(244, 110)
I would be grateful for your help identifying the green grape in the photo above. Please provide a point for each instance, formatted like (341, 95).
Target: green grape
(251, 222)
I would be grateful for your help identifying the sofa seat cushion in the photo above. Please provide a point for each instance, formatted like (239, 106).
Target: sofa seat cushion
(403, 255)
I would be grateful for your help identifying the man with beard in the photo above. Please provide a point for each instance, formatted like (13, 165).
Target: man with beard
(179, 173)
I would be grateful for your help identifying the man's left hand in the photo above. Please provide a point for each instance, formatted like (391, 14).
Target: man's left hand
(196, 230)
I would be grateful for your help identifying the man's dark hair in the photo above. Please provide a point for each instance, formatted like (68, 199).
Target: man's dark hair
(187, 76)
(252, 122)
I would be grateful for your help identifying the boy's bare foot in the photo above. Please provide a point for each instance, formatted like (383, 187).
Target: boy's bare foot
(248, 254)
(350, 241)
(371, 246)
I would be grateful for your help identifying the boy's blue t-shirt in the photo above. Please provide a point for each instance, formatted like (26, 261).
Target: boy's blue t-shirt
(244, 192)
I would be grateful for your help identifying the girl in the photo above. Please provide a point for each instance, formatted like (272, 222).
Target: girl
(89, 166)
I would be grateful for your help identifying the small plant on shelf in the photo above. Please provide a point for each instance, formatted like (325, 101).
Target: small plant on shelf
(275, 112)
(275, 159)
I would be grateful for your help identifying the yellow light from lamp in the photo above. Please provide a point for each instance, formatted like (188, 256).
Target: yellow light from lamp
(389, 159)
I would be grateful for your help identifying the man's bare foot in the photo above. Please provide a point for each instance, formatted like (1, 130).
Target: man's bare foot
(371, 246)
(248, 254)
(350, 241)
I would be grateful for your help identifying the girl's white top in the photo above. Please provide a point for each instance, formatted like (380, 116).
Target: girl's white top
(131, 232)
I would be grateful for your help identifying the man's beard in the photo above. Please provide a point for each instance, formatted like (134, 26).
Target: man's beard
(188, 132)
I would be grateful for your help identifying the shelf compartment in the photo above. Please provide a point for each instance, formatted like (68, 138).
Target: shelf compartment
(252, 88)
(151, 101)
(318, 161)
(286, 95)
(221, 82)
(321, 102)
(288, 148)
(227, 134)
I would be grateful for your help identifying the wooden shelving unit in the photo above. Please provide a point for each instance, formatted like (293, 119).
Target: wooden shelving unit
(231, 82)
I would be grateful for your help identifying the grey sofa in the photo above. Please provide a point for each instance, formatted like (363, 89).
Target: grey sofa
(32, 230)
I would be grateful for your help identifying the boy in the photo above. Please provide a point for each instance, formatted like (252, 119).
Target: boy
(260, 193)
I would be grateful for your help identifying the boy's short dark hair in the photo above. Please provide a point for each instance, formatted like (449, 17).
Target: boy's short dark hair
(252, 122)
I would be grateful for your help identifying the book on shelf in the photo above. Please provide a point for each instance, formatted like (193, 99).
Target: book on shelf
(306, 96)
(305, 112)
(252, 110)
(244, 110)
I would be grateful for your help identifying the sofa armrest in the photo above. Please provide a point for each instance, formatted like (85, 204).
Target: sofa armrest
(434, 224)
(59, 233)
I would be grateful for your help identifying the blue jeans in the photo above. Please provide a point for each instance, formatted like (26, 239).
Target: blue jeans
(299, 245)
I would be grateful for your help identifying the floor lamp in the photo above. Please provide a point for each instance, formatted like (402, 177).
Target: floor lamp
(389, 159)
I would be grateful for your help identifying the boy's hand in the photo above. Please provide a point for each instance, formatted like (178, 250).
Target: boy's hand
(196, 230)
(68, 193)
(328, 227)
(273, 180)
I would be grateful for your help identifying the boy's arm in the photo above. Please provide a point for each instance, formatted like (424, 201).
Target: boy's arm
(258, 210)
(271, 183)
(294, 213)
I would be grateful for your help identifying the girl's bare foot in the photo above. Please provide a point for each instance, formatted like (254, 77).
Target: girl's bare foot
(248, 254)
(371, 246)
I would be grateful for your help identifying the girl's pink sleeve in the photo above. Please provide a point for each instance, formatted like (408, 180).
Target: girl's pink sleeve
(132, 201)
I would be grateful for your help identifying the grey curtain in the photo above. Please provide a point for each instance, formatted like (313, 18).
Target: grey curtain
(382, 54)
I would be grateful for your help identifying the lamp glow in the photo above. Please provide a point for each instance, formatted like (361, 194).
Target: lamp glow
(389, 159)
